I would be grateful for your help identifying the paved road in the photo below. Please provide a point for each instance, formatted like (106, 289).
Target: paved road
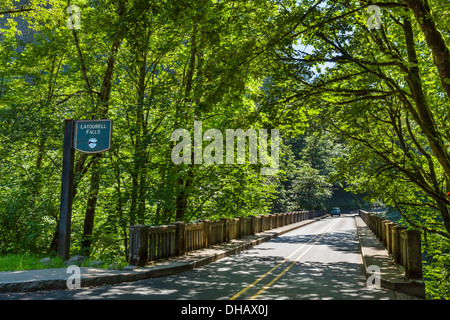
(318, 261)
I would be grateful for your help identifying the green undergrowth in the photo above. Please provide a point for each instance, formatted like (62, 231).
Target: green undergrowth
(14, 262)
(17, 262)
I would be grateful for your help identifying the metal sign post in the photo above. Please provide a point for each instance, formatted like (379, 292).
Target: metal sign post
(88, 136)
(65, 209)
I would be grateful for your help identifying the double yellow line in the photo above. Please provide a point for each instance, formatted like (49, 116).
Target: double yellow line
(322, 233)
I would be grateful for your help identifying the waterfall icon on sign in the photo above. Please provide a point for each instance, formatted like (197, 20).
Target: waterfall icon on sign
(92, 143)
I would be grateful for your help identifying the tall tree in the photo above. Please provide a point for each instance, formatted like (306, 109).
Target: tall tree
(379, 94)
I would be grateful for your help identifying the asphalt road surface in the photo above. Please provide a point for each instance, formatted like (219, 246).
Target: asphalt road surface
(321, 260)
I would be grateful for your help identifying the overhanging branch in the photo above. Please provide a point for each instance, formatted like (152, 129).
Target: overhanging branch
(16, 11)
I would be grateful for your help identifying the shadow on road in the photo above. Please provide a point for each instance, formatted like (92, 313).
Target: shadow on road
(332, 270)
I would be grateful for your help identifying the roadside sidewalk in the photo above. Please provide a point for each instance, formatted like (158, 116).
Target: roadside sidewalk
(50, 279)
(392, 276)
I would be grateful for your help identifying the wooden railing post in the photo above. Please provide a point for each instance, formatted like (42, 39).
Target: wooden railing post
(263, 222)
(253, 225)
(238, 228)
(389, 227)
(180, 247)
(242, 227)
(383, 232)
(207, 232)
(226, 229)
(138, 248)
(413, 264)
(396, 243)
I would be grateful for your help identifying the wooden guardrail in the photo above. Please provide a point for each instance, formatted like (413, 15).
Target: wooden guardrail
(404, 245)
(149, 243)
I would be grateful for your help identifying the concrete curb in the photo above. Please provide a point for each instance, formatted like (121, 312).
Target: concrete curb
(56, 279)
(392, 275)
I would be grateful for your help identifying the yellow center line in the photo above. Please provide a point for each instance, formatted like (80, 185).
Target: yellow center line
(269, 272)
(267, 286)
(278, 265)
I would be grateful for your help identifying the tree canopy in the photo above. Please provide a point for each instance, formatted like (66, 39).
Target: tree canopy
(361, 107)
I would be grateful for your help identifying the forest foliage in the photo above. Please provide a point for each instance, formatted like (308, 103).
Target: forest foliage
(366, 109)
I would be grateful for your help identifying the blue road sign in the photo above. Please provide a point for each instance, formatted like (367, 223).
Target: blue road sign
(92, 136)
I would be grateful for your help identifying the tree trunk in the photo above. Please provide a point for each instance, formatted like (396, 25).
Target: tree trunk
(88, 228)
(102, 106)
(184, 183)
(435, 40)
(422, 114)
